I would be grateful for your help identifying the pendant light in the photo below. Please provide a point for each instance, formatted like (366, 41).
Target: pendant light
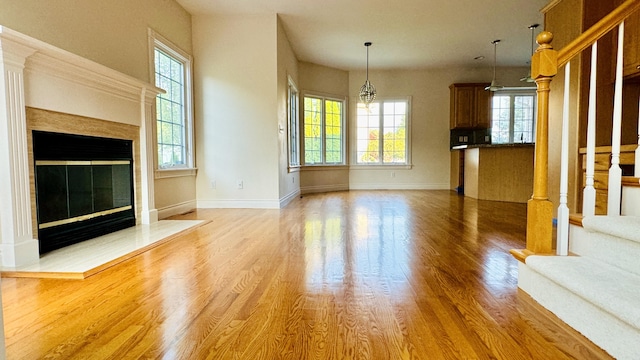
(494, 86)
(528, 78)
(367, 91)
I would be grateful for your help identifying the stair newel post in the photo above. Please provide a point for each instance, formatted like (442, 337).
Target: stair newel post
(544, 66)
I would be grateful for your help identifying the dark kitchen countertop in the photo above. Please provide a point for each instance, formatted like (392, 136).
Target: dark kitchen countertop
(513, 145)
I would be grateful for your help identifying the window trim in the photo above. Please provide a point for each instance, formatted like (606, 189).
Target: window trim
(406, 165)
(512, 93)
(343, 124)
(158, 41)
(293, 131)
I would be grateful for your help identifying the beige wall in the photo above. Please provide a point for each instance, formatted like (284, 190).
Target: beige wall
(112, 33)
(289, 182)
(322, 80)
(236, 110)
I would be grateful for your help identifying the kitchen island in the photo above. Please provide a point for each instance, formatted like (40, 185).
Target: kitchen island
(499, 172)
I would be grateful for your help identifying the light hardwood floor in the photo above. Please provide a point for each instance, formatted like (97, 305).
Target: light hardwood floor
(346, 275)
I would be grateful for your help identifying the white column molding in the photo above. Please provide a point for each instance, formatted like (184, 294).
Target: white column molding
(18, 246)
(147, 164)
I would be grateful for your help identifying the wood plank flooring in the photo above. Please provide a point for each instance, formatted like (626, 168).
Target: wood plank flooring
(345, 275)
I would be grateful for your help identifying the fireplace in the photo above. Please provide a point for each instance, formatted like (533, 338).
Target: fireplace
(52, 90)
(84, 187)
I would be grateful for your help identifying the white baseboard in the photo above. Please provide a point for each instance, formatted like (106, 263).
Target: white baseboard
(288, 198)
(386, 186)
(238, 204)
(176, 209)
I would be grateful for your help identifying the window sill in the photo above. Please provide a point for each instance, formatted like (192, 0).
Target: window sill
(382, 167)
(293, 169)
(324, 167)
(173, 173)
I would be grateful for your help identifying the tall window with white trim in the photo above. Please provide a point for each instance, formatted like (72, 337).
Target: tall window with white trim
(172, 73)
(324, 134)
(294, 126)
(382, 136)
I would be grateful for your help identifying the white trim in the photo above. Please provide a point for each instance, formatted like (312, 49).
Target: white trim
(292, 85)
(409, 186)
(157, 40)
(176, 209)
(289, 198)
(238, 204)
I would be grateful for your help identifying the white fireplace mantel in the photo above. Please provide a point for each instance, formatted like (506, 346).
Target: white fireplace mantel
(39, 75)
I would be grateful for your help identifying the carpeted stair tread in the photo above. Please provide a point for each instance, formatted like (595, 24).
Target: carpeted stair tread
(607, 287)
(626, 227)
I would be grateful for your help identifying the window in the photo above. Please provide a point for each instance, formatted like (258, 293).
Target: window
(172, 73)
(323, 131)
(294, 126)
(512, 117)
(389, 118)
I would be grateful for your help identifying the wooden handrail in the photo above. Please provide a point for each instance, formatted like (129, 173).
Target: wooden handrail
(596, 31)
(544, 66)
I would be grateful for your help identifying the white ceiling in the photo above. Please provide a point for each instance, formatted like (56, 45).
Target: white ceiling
(405, 33)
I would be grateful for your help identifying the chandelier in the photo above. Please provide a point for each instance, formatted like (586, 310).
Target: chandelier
(367, 91)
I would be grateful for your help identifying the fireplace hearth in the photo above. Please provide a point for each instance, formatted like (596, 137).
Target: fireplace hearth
(84, 187)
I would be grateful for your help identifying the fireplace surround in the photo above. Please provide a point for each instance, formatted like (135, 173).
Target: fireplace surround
(38, 77)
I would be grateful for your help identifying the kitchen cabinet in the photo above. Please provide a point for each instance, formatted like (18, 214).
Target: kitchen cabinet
(470, 106)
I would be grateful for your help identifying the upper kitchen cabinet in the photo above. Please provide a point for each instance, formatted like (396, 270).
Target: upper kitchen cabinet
(470, 106)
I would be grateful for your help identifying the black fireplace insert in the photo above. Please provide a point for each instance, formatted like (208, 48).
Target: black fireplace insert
(84, 187)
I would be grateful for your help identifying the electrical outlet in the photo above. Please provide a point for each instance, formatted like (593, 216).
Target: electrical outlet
(293, 180)
(240, 184)
(393, 174)
(213, 184)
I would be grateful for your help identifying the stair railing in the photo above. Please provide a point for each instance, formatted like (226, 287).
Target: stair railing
(545, 63)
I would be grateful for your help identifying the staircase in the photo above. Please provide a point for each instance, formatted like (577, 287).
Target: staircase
(596, 289)
(590, 276)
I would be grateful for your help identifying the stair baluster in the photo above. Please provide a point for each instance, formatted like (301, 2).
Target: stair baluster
(589, 192)
(636, 167)
(562, 246)
(615, 172)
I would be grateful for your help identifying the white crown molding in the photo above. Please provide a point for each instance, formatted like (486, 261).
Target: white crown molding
(61, 63)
